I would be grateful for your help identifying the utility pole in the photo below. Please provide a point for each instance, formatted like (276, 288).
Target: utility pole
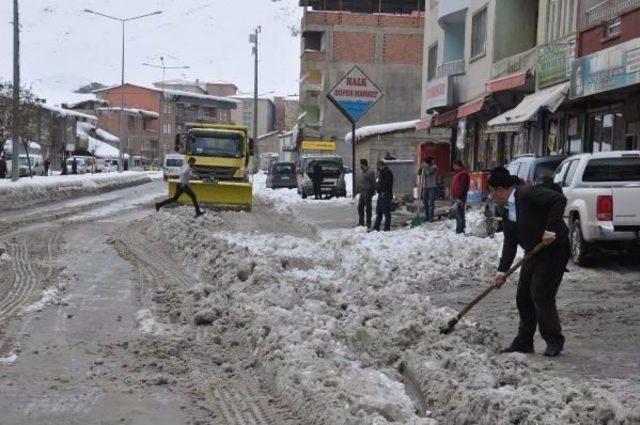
(164, 68)
(253, 38)
(15, 132)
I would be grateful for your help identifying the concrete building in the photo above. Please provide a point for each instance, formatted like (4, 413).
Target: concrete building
(183, 85)
(243, 115)
(221, 88)
(287, 112)
(175, 109)
(385, 39)
(141, 127)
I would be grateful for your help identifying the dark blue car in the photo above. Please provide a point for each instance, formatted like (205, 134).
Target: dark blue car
(282, 175)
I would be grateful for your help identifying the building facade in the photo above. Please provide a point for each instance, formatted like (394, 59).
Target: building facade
(384, 39)
(243, 115)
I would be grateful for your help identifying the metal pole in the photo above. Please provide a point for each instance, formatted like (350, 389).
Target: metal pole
(255, 95)
(121, 144)
(15, 137)
(353, 159)
(161, 121)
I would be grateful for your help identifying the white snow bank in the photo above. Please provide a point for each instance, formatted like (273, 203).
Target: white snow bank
(283, 199)
(9, 360)
(49, 296)
(374, 130)
(43, 189)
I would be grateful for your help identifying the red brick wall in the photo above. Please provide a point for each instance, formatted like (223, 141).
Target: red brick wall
(215, 89)
(592, 41)
(364, 19)
(403, 48)
(134, 97)
(354, 46)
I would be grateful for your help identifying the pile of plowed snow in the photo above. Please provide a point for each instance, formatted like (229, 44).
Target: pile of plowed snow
(339, 326)
(40, 189)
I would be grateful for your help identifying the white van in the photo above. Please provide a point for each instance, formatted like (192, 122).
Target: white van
(171, 166)
(37, 165)
(85, 164)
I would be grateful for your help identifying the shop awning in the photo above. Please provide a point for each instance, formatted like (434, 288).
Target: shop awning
(424, 124)
(549, 99)
(507, 83)
(445, 118)
(471, 108)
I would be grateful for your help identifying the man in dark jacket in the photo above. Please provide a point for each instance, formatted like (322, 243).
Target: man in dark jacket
(366, 189)
(316, 179)
(47, 165)
(533, 215)
(74, 166)
(385, 196)
(3, 167)
(459, 190)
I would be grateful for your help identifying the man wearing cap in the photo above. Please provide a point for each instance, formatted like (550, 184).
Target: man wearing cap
(533, 215)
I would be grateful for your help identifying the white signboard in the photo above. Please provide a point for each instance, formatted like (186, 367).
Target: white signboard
(438, 93)
(355, 94)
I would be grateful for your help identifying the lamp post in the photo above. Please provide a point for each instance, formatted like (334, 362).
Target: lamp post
(254, 39)
(164, 68)
(123, 21)
(15, 137)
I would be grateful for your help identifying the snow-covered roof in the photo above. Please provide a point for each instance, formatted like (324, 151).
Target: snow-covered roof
(68, 112)
(180, 93)
(80, 102)
(269, 134)
(8, 146)
(375, 130)
(97, 147)
(106, 136)
(133, 111)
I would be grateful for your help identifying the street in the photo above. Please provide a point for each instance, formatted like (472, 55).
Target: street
(136, 329)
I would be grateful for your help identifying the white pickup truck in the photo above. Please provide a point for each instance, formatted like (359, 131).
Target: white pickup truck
(603, 201)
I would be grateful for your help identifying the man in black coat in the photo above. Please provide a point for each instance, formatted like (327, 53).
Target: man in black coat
(316, 179)
(385, 196)
(533, 215)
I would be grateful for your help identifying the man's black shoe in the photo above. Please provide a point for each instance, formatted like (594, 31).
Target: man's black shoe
(552, 351)
(517, 349)
(199, 213)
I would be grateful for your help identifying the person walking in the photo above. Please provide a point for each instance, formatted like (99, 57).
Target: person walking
(3, 167)
(429, 183)
(533, 215)
(316, 179)
(385, 196)
(459, 190)
(366, 189)
(47, 165)
(186, 173)
(74, 166)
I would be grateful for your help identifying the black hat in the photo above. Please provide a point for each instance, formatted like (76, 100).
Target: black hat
(500, 177)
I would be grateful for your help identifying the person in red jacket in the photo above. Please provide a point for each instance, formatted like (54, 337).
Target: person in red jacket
(459, 189)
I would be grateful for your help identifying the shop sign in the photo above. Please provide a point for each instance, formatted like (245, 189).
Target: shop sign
(608, 69)
(439, 92)
(554, 63)
(506, 128)
(315, 145)
(355, 94)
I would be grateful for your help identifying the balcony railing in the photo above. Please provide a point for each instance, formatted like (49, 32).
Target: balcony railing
(608, 10)
(450, 68)
(520, 62)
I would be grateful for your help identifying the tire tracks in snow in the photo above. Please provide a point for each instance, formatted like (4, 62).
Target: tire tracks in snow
(225, 399)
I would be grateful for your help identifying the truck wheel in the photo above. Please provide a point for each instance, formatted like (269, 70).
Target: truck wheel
(579, 248)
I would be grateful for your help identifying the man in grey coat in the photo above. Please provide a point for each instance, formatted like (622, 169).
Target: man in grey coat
(430, 187)
(366, 188)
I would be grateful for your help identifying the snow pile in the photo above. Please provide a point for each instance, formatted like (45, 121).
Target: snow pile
(379, 129)
(43, 189)
(339, 325)
(9, 360)
(283, 199)
(49, 296)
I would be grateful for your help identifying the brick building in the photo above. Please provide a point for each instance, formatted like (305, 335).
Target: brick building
(385, 39)
(140, 129)
(175, 109)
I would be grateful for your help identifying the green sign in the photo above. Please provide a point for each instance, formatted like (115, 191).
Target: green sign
(554, 63)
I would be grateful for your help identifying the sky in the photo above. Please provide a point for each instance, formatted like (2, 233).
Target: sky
(64, 47)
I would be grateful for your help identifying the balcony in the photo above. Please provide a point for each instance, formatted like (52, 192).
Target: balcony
(452, 11)
(607, 10)
(520, 62)
(450, 68)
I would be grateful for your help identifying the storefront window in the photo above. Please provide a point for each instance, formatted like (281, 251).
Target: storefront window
(609, 132)
(574, 138)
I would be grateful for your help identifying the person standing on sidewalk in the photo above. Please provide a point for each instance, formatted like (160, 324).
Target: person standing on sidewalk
(385, 196)
(186, 173)
(533, 215)
(3, 167)
(459, 190)
(366, 189)
(430, 187)
(316, 179)
(47, 165)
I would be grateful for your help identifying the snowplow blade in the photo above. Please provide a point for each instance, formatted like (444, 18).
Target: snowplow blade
(219, 195)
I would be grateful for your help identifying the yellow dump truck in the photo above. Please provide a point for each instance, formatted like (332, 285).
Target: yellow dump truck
(222, 154)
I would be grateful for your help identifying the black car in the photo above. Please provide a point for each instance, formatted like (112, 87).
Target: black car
(282, 175)
(533, 169)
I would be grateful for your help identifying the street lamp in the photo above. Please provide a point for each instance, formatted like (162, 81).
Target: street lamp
(164, 68)
(123, 21)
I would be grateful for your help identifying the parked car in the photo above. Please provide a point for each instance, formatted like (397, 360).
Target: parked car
(171, 166)
(282, 175)
(333, 183)
(603, 201)
(86, 164)
(533, 169)
(37, 165)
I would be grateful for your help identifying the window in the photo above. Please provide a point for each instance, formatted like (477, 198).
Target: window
(479, 33)
(613, 28)
(432, 65)
(166, 128)
(613, 169)
(573, 167)
(560, 172)
(313, 40)
(568, 20)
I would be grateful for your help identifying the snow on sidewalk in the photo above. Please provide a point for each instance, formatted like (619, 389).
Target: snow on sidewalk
(43, 189)
(335, 322)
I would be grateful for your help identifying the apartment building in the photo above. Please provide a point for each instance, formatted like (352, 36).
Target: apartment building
(243, 114)
(384, 38)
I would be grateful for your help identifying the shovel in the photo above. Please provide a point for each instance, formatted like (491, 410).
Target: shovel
(452, 323)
